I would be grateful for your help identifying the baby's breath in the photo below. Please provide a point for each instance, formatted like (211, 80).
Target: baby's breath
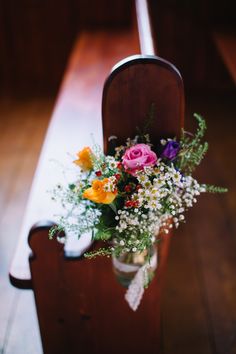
(129, 208)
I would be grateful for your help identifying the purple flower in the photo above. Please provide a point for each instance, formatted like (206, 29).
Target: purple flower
(171, 150)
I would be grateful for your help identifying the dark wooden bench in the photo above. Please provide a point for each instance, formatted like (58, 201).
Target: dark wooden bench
(80, 305)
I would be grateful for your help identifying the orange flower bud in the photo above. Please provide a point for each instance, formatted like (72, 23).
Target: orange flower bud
(84, 160)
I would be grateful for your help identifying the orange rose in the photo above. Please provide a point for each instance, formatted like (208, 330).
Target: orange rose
(84, 160)
(97, 194)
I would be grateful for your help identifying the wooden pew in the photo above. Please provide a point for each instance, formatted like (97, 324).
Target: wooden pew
(80, 305)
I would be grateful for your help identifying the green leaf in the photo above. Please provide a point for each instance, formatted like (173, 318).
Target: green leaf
(113, 207)
(103, 235)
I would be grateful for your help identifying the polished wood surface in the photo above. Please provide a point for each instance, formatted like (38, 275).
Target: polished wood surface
(83, 307)
(147, 45)
(183, 31)
(32, 28)
(139, 82)
(45, 31)
(199, 303)
(144, 81)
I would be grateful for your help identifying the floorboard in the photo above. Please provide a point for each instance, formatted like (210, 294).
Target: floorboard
(22, 128)
(199, 314)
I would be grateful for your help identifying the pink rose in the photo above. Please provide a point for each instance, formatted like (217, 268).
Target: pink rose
(137, 157)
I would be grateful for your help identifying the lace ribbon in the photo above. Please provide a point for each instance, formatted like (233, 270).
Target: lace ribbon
(136, 288)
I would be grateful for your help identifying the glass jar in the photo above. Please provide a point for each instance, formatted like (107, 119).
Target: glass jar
(127, 265)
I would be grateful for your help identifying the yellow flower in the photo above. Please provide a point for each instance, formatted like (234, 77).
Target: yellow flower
(84, 160)
(97, 194)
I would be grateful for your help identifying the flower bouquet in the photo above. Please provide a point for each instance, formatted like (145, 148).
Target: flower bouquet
(127, 197)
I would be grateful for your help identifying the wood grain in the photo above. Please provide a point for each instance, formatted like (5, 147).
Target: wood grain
(136, 84)
(27, 30)
(84, 294)
(199, 313)
(20, 145)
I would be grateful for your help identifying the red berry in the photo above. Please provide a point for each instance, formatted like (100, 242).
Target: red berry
(128, 203)
(119, 165)
(98, 173)
(117, 176)
(127, 188)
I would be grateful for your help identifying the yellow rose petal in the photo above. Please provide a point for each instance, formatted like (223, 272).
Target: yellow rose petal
(97, 194)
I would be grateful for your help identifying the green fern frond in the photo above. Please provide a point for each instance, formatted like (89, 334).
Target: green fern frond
(215, 189)
(192, 149)
(100, 252)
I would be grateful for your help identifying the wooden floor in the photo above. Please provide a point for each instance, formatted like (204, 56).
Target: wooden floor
(22, 128)
(199, 301)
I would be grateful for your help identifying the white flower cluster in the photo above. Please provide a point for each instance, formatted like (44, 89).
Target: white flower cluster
(110, 185)
(76, 216)
(162, 198)
(111, 162)
(136, 224)
(157, 186)
(133, 218)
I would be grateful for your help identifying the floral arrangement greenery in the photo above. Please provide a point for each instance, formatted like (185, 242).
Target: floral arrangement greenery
(125, 198)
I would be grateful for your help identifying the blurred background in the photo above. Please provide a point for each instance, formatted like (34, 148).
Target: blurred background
(199, 37)
(37, 36)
